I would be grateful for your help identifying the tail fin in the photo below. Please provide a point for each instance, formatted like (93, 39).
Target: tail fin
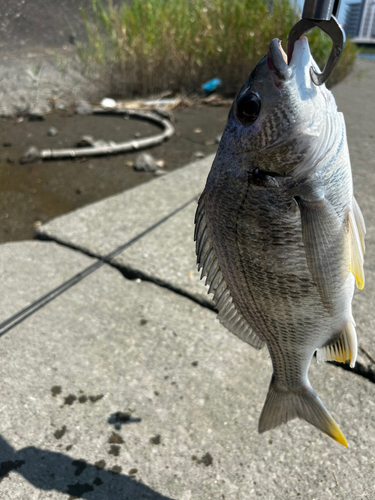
(282, 406)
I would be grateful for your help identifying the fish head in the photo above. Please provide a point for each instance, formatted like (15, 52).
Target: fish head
(278, 115)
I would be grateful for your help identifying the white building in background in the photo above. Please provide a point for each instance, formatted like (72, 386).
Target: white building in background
(366, 33)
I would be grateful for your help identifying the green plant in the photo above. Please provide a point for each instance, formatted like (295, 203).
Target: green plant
(149, 46)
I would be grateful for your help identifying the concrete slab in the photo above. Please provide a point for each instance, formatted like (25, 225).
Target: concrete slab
(125, 390)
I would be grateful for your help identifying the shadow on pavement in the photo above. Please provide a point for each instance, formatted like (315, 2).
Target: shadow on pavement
(49, 470)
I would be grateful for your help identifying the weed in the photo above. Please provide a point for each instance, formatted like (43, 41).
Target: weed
(149, 46)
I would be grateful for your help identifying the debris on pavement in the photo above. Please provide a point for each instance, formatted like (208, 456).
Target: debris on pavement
(199, 154)
(52, 132)
(107, 102)
(145, 163)
(83, 108)
(211, 85)
(31, 155)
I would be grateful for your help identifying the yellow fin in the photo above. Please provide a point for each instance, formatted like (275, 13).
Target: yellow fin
(360, 223)
(344, 348)
(282, 405)
(336, 434)
(356, 252)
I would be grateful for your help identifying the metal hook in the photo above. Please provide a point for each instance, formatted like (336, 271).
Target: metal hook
(333, 30)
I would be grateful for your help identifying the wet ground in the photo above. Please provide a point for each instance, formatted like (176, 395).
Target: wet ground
(33, 193)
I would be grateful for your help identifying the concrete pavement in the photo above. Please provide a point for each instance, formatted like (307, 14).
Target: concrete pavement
(126, 386)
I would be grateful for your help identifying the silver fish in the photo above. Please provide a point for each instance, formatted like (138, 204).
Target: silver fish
(279, 234)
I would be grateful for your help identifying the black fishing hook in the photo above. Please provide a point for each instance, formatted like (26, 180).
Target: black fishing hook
(319, 14)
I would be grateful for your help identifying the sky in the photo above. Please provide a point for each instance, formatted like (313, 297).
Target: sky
(342, 9)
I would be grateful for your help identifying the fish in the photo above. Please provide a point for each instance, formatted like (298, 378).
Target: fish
(279, 234)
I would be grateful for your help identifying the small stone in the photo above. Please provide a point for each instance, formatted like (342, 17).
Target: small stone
(114, 450)
(145, 163)
(31, 155)
(60, 432)
(115, 439)
(69, 400)
(197, 131)
(37, 223)
(155, 439)
(129, 163)
(84, 108)
(133, 472)
(52, 132)
(116, 469)
(137, 134)
(199, 154)
(100, 464)
(55, 390)
(160, 163)
(96, 398)
(206, 459)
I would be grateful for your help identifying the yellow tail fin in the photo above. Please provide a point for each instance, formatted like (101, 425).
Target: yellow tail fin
(282, 406)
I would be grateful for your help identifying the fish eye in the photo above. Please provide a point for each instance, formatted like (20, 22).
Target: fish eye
(248, 108)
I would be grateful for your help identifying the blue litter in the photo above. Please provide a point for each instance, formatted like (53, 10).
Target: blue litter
(211, 85)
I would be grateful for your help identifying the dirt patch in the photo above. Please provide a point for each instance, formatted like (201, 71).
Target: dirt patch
(34, 193)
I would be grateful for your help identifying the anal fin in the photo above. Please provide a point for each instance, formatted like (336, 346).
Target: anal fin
(342, 349)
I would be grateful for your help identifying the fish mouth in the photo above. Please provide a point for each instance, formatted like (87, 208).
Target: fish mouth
(278, 62)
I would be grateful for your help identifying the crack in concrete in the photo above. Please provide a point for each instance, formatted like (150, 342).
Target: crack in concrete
(133, 274)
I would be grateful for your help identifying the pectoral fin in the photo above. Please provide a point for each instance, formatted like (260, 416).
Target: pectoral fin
(360, 223)
(357, 245)
(324, 241)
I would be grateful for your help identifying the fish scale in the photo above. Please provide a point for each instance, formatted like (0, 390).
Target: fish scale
(279, 235)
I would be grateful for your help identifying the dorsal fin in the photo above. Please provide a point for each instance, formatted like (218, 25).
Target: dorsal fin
(228, 315)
